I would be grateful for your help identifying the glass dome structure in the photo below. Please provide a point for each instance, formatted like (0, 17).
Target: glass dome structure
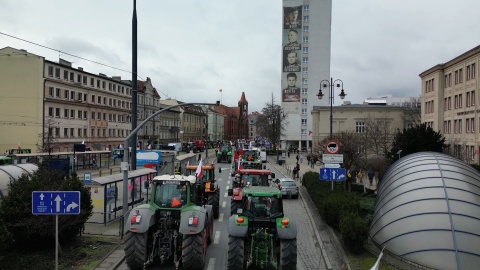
(427, 211)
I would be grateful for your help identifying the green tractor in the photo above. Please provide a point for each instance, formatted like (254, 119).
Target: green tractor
(260, 236)
(175, 224)
(224, 154)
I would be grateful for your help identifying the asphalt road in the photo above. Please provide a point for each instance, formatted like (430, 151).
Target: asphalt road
(308, 249)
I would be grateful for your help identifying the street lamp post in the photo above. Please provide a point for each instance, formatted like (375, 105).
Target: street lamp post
(331, 84)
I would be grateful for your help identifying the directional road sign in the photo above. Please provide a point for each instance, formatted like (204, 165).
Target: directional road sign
(56, 202)
(333, 174)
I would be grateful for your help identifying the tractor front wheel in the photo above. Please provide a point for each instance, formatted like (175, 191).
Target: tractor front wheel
(236, 254)
(288, 254)
(216, 203)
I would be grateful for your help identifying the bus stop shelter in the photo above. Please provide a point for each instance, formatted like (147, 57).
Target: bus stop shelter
(107, 194)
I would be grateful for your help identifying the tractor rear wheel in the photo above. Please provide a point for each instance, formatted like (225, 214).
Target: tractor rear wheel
(194, 249)
(236, 254)
(136, 248)
(216, 203)
(288, 254)
(234, 206)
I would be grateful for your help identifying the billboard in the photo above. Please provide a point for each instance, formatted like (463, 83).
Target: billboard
(292, 54)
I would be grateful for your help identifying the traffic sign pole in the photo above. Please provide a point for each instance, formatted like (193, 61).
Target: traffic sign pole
(56, 203)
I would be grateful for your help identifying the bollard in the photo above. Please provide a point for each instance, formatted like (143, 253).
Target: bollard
(111, 171)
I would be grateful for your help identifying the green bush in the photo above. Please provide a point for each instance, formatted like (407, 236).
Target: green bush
(334, 205)
(354, 230)
(39, 230)
(5, 236)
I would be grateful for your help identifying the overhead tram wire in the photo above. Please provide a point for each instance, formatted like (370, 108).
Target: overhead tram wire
(79, 57)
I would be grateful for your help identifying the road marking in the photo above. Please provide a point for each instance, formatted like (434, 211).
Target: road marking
(227, 187)
(217, 238)
(211, 264)
(228, 182)
(220, 218)
(224, 204)
(226, 195)
(219, 179)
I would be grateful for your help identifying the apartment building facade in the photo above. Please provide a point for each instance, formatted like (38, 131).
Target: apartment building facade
(306, 47)
(50, 106)
(450, 106)
(191, 120)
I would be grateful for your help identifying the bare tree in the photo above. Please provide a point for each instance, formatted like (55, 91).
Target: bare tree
(46, 139)
(272, 122)
(412, 114)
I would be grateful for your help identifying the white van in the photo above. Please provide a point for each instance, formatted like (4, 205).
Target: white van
(263, 156)
(177, 145)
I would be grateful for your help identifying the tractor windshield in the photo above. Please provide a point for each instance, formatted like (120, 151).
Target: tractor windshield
(171, 195)
(255, 180)
(261, 207)
(225, 149)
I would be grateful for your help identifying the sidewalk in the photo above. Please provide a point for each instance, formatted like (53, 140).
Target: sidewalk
(305, 167)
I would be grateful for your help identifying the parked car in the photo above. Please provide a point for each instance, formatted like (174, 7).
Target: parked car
(289, 188)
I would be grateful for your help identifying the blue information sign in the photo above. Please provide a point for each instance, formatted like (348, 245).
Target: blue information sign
(333, 174)
(56, 202)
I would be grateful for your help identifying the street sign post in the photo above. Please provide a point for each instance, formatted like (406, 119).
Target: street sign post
(56, 203)
(332, 158)
(333, 174)
(332, 147)
(87, 178)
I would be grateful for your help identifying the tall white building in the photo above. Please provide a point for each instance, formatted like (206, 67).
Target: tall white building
(306, 46)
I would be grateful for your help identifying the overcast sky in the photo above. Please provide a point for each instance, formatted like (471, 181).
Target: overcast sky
(192, 48)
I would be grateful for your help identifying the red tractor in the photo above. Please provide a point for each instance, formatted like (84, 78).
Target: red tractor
(244, 179)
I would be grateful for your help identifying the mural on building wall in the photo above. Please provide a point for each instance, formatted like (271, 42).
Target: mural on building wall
(292, 54)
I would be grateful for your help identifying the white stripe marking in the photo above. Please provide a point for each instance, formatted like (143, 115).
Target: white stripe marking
(211, 264)
(228, 182)
(226, 195)
(227, 187)
(224, 204)
(217, 238)
(220, 218)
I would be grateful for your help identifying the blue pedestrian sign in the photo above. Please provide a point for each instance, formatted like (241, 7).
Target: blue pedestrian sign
(56, 202)
(333, 174)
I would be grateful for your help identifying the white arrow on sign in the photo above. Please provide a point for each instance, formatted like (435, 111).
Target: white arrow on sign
(58, 200)
(73, 205)
(41, 196)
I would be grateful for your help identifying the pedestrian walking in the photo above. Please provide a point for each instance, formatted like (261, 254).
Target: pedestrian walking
(370, 175)
(301, 157)
(308, 159)
(312, 163)
(297, 171)
(288, 153)
(297, 157)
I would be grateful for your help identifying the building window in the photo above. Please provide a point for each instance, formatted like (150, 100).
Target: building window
(57, 112)
(72, 132)
(467, 125)
(50, 111)
(304, 132)
(50, 71)
(360, 127)
(72, 76)
(305, 19)
(79, 114)
(304, 111)
(305, 60)
(305, 39)
(304, 81)
(305, 70)
(65, 132)
(306, 8)
(99, 116)
(65, 113)
(304, 122)
(304, 91)
(429, 85)
(92, 82)
(304, 101)
(305, 49)
(51, 91)
(57, 92)
(305, 28)
(65, 74)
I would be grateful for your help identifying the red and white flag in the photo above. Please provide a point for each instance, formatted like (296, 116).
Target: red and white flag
(199, 171)
(239, 158)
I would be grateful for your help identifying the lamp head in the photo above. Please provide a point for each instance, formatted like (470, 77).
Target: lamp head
(342, 94)
(320, 94)
(217, 103)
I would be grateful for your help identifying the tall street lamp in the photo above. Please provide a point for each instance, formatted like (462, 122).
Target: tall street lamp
(332, 84)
